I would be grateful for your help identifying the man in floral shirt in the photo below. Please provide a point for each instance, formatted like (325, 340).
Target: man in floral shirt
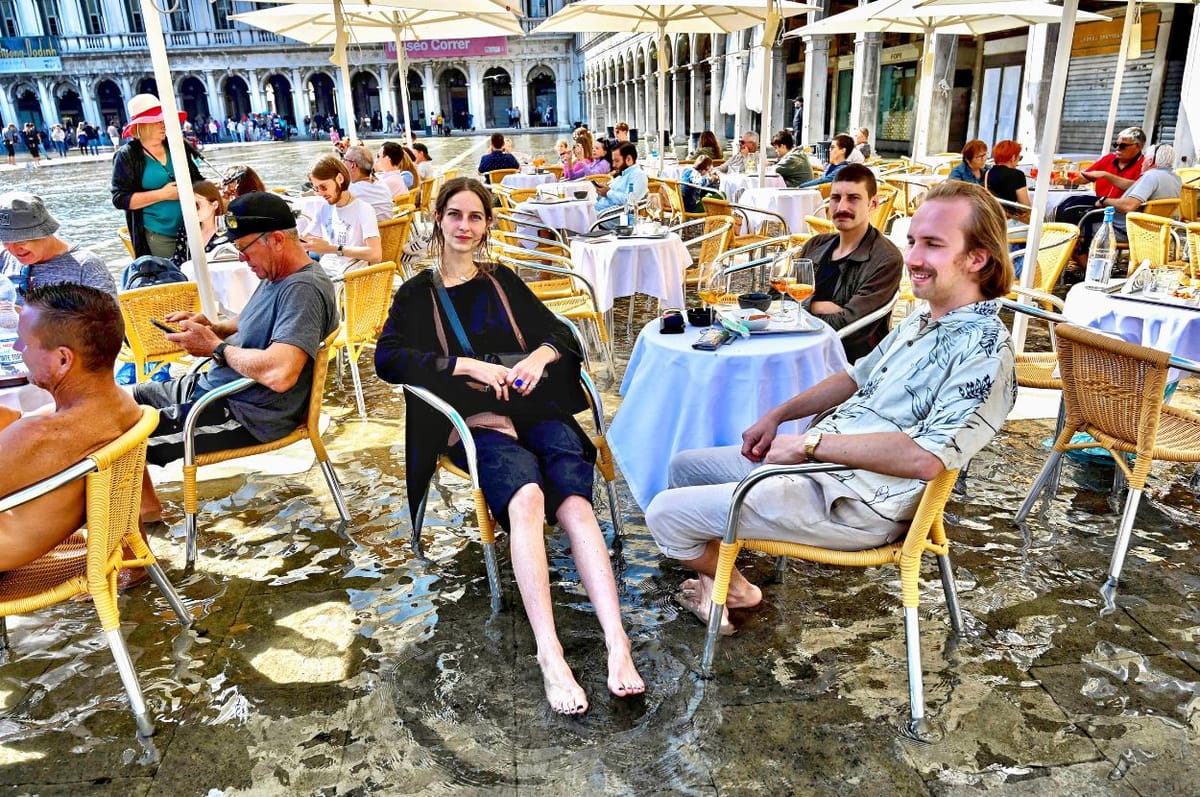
(929, 397)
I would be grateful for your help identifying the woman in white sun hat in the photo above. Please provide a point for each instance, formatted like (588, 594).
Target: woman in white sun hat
(144, 179)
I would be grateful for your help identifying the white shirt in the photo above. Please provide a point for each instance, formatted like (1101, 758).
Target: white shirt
(395, 181)
(377, 195)
(349, 225)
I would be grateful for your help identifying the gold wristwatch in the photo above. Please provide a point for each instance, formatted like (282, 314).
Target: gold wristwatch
(811, 441)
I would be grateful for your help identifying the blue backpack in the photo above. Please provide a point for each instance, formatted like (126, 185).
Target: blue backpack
(149, 270)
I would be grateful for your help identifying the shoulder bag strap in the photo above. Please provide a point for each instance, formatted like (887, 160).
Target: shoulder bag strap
(452, 315)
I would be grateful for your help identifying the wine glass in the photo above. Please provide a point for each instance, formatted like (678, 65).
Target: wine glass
(792, 277)
(654, 207)
(712, 284)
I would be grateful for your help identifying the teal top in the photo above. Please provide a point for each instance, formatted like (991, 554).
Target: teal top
(166, 217)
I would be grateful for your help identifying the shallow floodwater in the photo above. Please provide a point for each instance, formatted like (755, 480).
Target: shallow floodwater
(328, 660)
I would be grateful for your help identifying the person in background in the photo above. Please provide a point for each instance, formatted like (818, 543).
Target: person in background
(974, 166)
(390, 169)
(1158, 181)
(862, 143)
(210, 206)
(1004, 180)
(622, 135)
(422, 161)
(708, 145)
(34, 256)
(343, 228)
(59, 137)
(797, 117)
(793, 165)
(695, 179)
(562, 152)
(522, 157)
(580, 163)
(839, 155)
(10, 143)
(630, 181)
(601, 156)
(497, 158)
(114, 135)
(144, 180)
(535, 462)
(747, 147)
(361, 166)
(1113, 173)
(240, 180)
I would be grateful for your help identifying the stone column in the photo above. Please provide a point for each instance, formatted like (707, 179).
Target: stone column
(203, 18)
(475, 93)
(430, 92)
(127, 88)
(781, 113)
(216, 103)
(91, 108)
(715, 121)
(562, 85)
(816, 75)
(8, 111)
(683, 91)
(1042, 45)
(697, 118)
(864, 98)
(257, 103)
(49, 106)
(520, 92)
(72, 17)
(387, 96)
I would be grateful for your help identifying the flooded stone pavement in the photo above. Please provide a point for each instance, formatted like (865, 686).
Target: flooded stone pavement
(328, 660)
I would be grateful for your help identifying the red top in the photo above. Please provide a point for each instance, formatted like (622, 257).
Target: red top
(1109, 164)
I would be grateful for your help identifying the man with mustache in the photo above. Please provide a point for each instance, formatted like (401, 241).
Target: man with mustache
(857, 269)
(927, 399)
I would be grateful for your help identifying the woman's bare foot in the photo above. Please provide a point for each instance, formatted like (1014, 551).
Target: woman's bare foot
(563, 692)
(748, 598)
(623, 677)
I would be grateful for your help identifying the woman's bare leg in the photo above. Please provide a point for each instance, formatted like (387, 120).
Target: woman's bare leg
(595, 570)
(526, 516)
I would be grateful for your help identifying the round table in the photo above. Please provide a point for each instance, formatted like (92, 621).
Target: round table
(1159, 326)
(677, 398)
(574, 215)
(791, 203)
(733, 184)
(527, 180)
(233, 282)
(567, 188)
(625, 266)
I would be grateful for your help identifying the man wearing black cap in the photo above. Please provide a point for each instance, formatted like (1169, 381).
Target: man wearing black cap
(273, 342)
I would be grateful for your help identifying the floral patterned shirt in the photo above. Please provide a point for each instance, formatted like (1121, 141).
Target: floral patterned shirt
(948, 384)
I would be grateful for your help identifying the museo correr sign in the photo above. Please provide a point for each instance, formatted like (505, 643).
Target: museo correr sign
(20, 54)
(450, 48)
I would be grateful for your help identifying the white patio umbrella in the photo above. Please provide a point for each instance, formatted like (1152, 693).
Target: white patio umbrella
(380, 21)
(639, 16)
(956, 18)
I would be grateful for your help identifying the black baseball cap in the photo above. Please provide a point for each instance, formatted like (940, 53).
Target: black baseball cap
(256, 212)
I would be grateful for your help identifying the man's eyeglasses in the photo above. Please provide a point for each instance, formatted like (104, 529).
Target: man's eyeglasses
(1124, 144)
(242, 249)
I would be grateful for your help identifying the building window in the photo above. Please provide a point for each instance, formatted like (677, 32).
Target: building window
(8, 18)
(222, 9)
(93, 17)
(133, 16)
(52, 21)
(538, 8)
(181, 17)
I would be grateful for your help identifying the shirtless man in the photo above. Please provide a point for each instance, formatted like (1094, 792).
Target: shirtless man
(69, 336)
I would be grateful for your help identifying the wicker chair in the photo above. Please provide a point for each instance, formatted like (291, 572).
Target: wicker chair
(556, 169)
(819, 226)
(309, 430)
(127, 240)
(926, 533)
(1056, 244)
(706, 246)
(1167, 208)
(882, 214)
(366, 297)
(737, 238)
(393, 235)
(1149, 240)
(1193, 247)
(599, 179)
(487, 527)
(1113, 391)
(1189, 203)
(496, 175)
(148, 343)
(90, 565)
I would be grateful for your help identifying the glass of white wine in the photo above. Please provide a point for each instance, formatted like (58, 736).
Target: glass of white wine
(713, 284)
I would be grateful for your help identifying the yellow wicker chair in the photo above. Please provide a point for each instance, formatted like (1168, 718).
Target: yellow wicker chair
(819, 226)
(90, 565)
(882, 215)
(487, 527)
(393, 235)
(706, 248)
(599, 179)
(1189, 203)
(1113, 390)
(926, 534)
(309, 430)
(1057, 244)
(427, 194)
(496, 175)
(148, 343)
(1149, 240)
(1167, 208)
(1193, 247)
(366, 298)
(123, 234)
(556, 169)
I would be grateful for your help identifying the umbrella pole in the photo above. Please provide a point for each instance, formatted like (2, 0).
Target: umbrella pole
(179, 158)
(768, 40)
(1054, 106)
(924, 99)
(342, 59)
(402, 75)
(1119, 77)
(662, 97)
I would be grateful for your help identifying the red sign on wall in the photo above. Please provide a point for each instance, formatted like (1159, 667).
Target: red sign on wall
(450, 48)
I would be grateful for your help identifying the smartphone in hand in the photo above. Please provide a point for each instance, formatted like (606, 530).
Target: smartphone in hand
(165, 327)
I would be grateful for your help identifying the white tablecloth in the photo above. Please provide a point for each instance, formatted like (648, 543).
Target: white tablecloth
(527, 180)
(1056, 196)
(575, 215)
(25, 398)
(567, 189)
(1172, 329)
(624, 266)
(733, 184)
(232, 280)
(677, 398)
(791, 203)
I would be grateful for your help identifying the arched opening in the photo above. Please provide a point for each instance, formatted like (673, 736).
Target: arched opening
(147, 85)
(497, 98)
(416, 99)
(542, 97)
(453, 95)
(29, 108)
(237, 97)
(70, 107)
(193, 100)
(112, 104)
(321, 99)
(279, 97)
(364, 88)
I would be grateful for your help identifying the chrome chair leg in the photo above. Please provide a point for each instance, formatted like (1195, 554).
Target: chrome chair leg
(1056, 476)
(168, 591)
(918, 726)
(781, 564)
(336, 489)
(951, 590)
(3, 638)
(613, 509)
(415, 539)
(715, 613)
(1039, 484)
(1124, 532)
(493, 573)
(129, 679)
(189, 525)
(358, 391)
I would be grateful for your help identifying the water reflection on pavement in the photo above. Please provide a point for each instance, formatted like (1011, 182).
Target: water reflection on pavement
(328, 660)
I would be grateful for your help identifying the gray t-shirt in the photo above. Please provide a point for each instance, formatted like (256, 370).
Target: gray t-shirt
(1154, 184)
(74, 265)
(299, 309)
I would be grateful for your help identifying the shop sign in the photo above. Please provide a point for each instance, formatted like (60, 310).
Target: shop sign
(450, 48)
(1102, 38)
(21, 54)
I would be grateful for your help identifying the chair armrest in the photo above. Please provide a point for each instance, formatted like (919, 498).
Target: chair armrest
(193, 416)
(456, 420)
(1184, 364)
(47, 485)
(869, 318)
(1040, 296)
(1033, 310)
(760, 474)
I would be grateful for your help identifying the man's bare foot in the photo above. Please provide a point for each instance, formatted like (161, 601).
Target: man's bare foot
(700, 606)
(563, 692)
(623, 677)
(747, 599)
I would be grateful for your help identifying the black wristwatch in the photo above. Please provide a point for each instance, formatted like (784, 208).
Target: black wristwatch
(218, 353)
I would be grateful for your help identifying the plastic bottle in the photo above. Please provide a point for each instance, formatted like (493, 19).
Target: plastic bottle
(629, 214)
(1102, 254)
(10, 359)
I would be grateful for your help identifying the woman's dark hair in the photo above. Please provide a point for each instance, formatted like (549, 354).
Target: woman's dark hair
(607, 147)
(449, 190)
(241, 180)
(584, 139)
(203, 188)
(709, 139)
(973, 149)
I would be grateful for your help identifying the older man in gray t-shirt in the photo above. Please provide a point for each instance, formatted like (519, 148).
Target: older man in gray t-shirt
(1158, 181)
(34, 255)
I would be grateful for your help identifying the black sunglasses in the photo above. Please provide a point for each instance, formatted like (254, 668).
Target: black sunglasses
(1121, 145)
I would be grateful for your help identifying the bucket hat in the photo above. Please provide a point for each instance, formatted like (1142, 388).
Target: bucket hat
(24, 217)
(145, 109)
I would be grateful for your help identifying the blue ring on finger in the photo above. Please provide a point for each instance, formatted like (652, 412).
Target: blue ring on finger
(518, 382)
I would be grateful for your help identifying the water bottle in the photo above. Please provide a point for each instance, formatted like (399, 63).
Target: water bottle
(629, 214)
(10, 358)
(1102, 254)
